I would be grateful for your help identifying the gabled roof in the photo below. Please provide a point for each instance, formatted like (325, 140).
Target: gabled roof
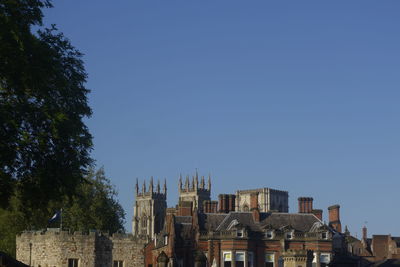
(211, 221)
(302, 222)
(221, 222)
(244, 218)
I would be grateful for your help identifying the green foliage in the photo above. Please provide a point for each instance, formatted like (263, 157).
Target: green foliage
(45, 146)
(94, 206)
(44, 143)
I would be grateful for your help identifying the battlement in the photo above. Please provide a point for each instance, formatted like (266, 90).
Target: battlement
(67, 234)
(153, 192)
(194, 185)
(54, 247)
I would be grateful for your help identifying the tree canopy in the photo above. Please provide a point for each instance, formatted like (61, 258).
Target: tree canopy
(45, 146)
(44, 142)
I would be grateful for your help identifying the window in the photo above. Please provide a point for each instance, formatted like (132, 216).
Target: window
(250, 259)
(144, 222)
(165, 240)
(118, 264)
(324, 235)
(239, 259)
(289, 235)
(227, 257)
(239, 233)
(314, 261)
(73, 262)
(324, 259)
(269, 259)
(269, 234)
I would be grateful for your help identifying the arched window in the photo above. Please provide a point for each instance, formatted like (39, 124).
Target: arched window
(144, 222)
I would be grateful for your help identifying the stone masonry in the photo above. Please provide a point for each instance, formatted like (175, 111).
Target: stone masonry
(55, 248)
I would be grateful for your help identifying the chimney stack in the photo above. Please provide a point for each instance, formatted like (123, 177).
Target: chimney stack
(364, 233)
(305, 204)
(334, 218)
(226, 203)
(210, 206)
(221, 199)
(254, 206)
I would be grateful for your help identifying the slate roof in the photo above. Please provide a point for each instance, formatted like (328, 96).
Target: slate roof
(211, 221)
(183, 219)
(298, 221)
(244, 218)
(387, 263)
(221, 222)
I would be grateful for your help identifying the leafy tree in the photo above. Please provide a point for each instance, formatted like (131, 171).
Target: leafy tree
(94, 206)
(44, 143)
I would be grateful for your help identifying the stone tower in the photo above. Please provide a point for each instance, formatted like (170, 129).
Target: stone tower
(149, 209)
(195, 191)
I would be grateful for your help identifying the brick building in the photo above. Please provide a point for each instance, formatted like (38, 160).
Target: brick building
(248, 229)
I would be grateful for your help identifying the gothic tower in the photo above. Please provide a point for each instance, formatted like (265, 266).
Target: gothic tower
(195, 192)
(149, 209)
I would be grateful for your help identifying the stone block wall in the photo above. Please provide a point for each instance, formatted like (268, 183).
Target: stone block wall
(54, 248)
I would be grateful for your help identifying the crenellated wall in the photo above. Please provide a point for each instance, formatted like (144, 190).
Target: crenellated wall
(54, 248)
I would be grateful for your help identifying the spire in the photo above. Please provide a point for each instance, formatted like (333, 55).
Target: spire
(196, 181)
(202, 183)
(192, 183)
(158, 186)
(180, 183)
(151, 185)
(187, 183)
(346, 230)
(144, 186)
(137, 187)
(209, 183)
(165, 187)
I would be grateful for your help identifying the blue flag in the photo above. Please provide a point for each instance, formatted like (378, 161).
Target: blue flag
(55, 217)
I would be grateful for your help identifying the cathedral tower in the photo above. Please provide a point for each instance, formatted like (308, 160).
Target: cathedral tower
(196, 191)
(149, 209)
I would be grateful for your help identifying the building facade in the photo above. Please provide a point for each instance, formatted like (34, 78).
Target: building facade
(268, 200)
(61, 248)
(251, 228)
(149, 209)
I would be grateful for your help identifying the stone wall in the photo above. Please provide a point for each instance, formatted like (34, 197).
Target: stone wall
(268, 199)
(54, 248)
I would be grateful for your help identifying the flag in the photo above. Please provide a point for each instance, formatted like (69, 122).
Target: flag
(55, 217)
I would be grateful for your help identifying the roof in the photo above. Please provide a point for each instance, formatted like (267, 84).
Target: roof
(388, 262)
(183, 219)
(211, 221)
(222, 222)
(243, 218)
(397, 240)
(299, 221)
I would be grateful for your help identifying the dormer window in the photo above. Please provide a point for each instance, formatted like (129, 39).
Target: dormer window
(239, 233)
(324, 235)
(269, 234)
(289, 235)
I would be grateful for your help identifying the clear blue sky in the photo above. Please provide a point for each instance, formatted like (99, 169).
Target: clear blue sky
(300, 96)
